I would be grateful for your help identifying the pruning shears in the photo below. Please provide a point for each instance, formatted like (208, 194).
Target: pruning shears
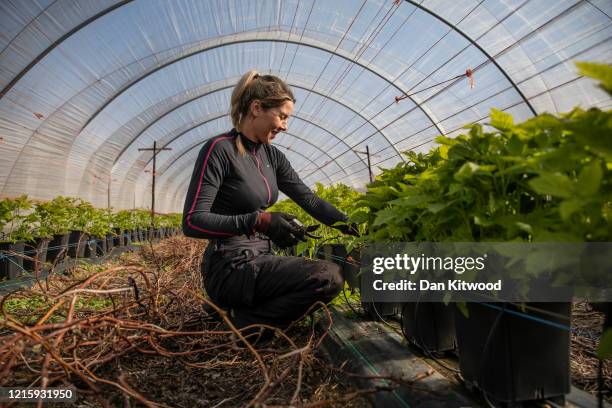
(302, 231)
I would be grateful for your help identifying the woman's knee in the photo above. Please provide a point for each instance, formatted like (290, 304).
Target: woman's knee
(330, 276)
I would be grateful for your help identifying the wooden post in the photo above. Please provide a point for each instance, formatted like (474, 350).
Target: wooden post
(155, 150)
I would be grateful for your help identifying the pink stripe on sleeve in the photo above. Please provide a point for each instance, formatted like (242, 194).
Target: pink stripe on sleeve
(195, 199)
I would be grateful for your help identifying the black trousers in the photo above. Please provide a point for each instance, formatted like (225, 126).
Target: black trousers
(262, 288)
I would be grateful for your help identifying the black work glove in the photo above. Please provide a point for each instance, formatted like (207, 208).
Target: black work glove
(278, 227)
(350, 228)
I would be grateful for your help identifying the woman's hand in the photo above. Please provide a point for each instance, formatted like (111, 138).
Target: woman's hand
(350, 228)
(278, 227)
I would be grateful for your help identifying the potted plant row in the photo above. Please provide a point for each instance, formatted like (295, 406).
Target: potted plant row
(545, 180)
(37, 232)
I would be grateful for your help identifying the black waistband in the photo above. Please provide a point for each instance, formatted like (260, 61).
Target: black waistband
(256, 243)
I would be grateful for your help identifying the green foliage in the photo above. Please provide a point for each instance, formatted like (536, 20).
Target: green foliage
(340, 196)
(54, 217)
(547, 179)
(604, 350)
(601, 72)
(168, 220)
(21, 305)
(142, 219)
(101, 223)
(63, 214)
(125, 220)
(12, 218)
(30, 309)
(82, 214)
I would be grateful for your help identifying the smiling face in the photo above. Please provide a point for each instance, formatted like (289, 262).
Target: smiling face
(267, 123)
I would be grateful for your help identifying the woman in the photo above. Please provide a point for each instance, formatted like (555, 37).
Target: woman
(236, 177)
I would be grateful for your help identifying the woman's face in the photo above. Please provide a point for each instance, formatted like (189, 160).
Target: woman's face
(267, 123)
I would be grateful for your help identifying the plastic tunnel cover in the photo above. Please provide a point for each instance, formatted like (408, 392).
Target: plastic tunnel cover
(86, 83)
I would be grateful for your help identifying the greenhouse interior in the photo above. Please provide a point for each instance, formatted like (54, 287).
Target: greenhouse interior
(306, 203)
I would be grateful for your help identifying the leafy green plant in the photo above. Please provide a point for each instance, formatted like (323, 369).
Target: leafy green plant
(125, 220)
(54, 217)
(100, 223)
(13, 220)
(143, 218)
(548, 179)
(63, 214)
(167, 220)
(544, 180)
(340, 196)
(81, 216)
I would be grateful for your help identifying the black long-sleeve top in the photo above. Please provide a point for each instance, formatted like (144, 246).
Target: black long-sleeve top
(228, 189)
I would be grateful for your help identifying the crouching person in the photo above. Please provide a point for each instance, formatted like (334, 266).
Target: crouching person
(236, 177)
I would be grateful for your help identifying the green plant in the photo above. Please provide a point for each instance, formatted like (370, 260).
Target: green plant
(100, 223)
(81, 215)
(143, 219)
(548, 179)
(14, 224)
(167, 220)
(54, 217)
(340, 196)
(125, 220)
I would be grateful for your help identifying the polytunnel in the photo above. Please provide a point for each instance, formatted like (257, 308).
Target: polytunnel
(442, 235)
(85, 84)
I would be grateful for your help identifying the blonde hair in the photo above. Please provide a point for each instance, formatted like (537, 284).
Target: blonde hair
(269, 89)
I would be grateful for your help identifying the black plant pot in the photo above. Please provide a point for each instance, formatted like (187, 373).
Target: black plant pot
(127, 237)
(378, 310)
(109, 242)
(58, 247)
(91, 247)
(102, 247)
(11, 265)
(335, 253)
(429, 325)
(37, 250)
(514, 355)
(151, 235)
(161, 233)
(77, 241)
(351, 269)
(349, 263)
(118, 239)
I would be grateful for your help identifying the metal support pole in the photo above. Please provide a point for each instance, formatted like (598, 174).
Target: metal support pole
(369, 165)
(367, 153)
